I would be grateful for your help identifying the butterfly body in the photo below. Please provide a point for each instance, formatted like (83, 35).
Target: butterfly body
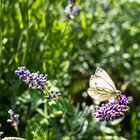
(101, 86)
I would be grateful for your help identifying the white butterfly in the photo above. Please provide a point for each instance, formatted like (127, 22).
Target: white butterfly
(101, 86)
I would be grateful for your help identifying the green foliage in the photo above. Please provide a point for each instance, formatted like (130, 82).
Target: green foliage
(37, 34)
(40, 134)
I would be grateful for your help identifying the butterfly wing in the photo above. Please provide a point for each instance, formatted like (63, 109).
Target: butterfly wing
(99, 89)
(102, 73)
(96, 81)
(99, 94)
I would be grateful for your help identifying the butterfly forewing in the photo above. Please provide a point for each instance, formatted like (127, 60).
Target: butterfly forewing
(101, 73)
(96, 81)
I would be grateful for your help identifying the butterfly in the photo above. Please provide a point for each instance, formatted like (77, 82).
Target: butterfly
(101, 86)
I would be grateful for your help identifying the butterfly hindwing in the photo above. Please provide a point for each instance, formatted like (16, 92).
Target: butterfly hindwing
(100, 94)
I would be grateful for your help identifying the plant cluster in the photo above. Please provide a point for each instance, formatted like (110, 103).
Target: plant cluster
(54, 47)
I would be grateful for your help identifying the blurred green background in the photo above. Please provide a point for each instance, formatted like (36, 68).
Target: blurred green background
(38, 35)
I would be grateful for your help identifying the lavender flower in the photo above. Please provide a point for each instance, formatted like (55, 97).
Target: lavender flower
(73, 1)
(52, 95)
(14, 119)
(35, 80)
(113, 109)
(123, 100)
(32, 79)
(72, 10)
(104, 5)
(23, 74)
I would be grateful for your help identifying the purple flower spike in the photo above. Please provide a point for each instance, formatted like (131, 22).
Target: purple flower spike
(41, 80)
(23, 73)
(123, 99)
(14, 118)
(104, 5)
(73, 1)
(72, 10)
(52, 95)
(112, 110)
(32, 79)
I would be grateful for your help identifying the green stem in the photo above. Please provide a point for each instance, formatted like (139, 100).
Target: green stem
(26, 23)
(0, 34)
(61, 107)
(17, 130)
